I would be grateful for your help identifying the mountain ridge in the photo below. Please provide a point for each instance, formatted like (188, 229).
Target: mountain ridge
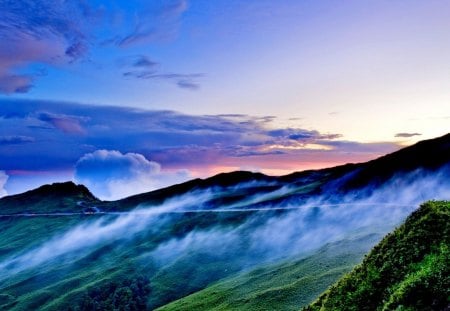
(429, 154)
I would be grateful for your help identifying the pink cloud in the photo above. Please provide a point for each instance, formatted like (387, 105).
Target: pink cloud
(21, 50)
(64, 123)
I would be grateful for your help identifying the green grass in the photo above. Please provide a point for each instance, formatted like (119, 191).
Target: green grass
(282, 286)
(200, 279)
(408, 270)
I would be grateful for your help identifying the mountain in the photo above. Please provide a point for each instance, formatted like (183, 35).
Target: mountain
(275, 241)
(408, 270)
(57, 197)
(282, 286)
(428, 155)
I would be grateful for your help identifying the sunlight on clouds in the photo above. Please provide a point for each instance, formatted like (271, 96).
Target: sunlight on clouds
(299, 147)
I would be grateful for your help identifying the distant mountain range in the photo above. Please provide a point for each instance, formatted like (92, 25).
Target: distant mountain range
(428, 155)
(237, 241)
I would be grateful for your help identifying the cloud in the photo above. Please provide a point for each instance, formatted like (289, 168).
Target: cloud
(15, 140)
(302, 135)
(174, 140)
(185, 81)
(3, 180)
(143, 61)
(55, 33)
(113, 175)
(260, 238)
(407, 135)
(38, 31)
(64, 123)
(153, 24)
(11, 83)
(187, 84)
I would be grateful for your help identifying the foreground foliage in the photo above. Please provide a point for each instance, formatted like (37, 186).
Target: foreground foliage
(408, 270)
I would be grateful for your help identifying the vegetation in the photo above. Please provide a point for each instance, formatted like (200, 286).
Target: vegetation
(408, 270)
(282, 286)
(130, 295)
(405, 270)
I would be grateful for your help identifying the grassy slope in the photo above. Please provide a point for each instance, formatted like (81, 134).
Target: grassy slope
(282, 286)
(59, 284)
(58, 197)
(408, 270)
(56, 286)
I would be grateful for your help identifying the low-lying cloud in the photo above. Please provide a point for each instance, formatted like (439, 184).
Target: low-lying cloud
(264, 237)
(3, 180)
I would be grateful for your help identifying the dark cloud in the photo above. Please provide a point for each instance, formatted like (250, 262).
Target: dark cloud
(185, 81)
(15, 140)
(301, 135)
(188, 84)
(407, 135)
(170, 138)
(144, 62)
(142, 67)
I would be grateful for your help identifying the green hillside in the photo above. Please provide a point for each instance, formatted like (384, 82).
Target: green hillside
(408, 270)
(282, 286)
(231, 241)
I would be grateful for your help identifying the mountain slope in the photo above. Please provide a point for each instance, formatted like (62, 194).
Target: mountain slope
(282, 286)
(408, 270)
(182, 239)
(57, 197)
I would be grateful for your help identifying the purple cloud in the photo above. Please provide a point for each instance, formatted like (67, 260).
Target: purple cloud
(12, 83)
(37, 31)
(53, 33)
(174, 140)
(64, 123)
(302, 135)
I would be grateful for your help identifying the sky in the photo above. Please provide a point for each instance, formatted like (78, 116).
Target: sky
(132, 96)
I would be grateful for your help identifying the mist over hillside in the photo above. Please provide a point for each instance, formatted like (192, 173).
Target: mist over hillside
(59, 242)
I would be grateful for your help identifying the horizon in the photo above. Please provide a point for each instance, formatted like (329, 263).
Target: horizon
(210, 176)
(134, 96)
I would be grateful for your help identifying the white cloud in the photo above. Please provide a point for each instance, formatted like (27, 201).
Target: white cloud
(3, 180)
(111, 175)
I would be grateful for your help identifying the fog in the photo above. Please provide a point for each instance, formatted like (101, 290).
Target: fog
(263, 237)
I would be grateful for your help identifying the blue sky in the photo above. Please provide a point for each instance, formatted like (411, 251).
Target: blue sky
(170, 90)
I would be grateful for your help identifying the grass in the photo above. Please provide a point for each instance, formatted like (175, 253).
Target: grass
(282, 286)
(408, 270)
